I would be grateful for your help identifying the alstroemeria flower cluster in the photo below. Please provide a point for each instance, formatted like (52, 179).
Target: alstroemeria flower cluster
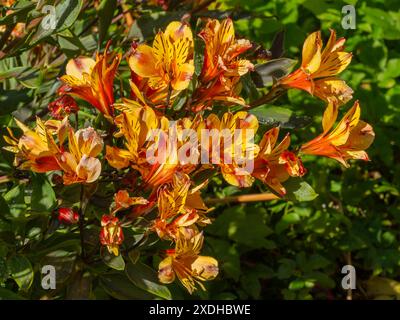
(157, 150)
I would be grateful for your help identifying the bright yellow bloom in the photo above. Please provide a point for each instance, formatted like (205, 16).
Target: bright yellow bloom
(80, 164)
(347, 140)
(222, 51)
(222, 69)
(232, 147)
(92, 80)
(319, 69)
(151, 143)
(137, 125)
(274, 163)
(179, 208)
(167, 65)
(185, 263)
(37, 150)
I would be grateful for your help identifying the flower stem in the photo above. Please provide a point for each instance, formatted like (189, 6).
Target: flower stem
(81, 221)
(272, 95)
(267, 196)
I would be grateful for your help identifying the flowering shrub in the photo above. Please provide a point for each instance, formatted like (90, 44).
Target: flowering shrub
(132, 138)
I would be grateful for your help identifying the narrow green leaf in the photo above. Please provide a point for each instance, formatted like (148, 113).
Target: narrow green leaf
(106, 14)
(274, 116)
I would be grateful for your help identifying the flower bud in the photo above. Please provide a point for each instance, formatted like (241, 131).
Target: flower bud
(67, 216)
(111, 234)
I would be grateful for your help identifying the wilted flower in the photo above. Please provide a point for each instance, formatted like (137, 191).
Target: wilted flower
(185, 263)
(319, 68)
(347, 140)
(111, 234)
(63, 106)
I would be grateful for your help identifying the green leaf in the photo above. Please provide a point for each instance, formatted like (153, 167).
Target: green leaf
(63, 261)
(298, 190)
(43, 196)
(10, 100)
(15, 199)
(118, 286)
(296, 284)
(69, 43)
(3, 270)
(21, 271)
(4, 208)
(80, 286)
(67, 12)
(384, 24)
(105, 13)
(286, 221)
(19, 14)
(249, 87)
(6, 294)
(267, 73)
(244, 225)
(146, 278)
(115, 262)
(274, 116)
(134, 256)
(12, 73)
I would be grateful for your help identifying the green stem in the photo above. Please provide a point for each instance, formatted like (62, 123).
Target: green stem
(272, 95)
(81, 221)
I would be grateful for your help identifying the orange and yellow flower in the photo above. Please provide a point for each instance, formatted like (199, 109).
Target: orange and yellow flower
(79, 163)
(185, 263)
(124, 201)
(319, 69)
(35, 150)
(222, 68)
(167, 67)
(348, 140)
(179, 208)
(222, 51)
(92, 80)
(232, 145)
(275, 164)
(38, 151)
(111, 234)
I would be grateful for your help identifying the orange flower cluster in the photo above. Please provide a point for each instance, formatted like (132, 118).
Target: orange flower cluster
(162, 153)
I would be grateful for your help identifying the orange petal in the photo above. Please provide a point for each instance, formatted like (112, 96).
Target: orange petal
(143, 62)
